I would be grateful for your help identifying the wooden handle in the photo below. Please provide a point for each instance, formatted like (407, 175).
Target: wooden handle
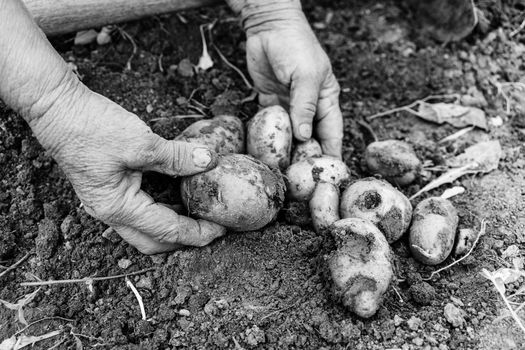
(65, 16)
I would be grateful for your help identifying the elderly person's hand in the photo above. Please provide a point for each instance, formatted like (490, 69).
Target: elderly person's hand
(102, 148)
(289, 67)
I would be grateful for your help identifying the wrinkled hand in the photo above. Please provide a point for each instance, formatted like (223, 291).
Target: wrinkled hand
(103, 150)
(290, 68)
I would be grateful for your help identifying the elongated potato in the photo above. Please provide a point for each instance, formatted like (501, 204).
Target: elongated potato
(380, 203)
(224, 134)
(395, 160)
(433, 230)
(324, 205)
(361, 268)
(306, 149)
(269, 137)
(241, 193)
(304, 175)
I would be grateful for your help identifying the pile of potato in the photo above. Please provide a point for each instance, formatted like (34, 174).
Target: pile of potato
(364, 216)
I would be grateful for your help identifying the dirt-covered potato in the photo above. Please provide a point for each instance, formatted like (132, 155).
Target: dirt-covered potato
(224, 134)
(324, 205)
(380, 203)
(433, 230)
(395, 160)
(241, 193)
(306, 149)
(304, 175)
(269, 137)
(361, 268)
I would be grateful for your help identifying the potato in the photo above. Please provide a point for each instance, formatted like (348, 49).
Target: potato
(380, 203)
(324, 205)
(395, 160)
(224, 134)
(304, 175)
(269, 137)
(306, 149)
(433, 230)
(241, 193)
(361, 268)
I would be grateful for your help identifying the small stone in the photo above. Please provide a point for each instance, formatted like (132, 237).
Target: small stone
(124, 263)
(414, 323)
(417, 341)
(454, 315)
(398, 320)
(66, 224)
(149, 108)
(183, 293)
(144, 282)
(184, 312)
(457, 301)
(185, 68)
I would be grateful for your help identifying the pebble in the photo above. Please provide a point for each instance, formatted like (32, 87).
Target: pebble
(454, 315)
(457, 301)
(124, 263)
(417, 341)
(414, 323)
(184, 312)
(185, 68)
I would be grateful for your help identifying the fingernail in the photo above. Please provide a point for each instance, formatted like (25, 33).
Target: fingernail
(201, 157)
(305, 130)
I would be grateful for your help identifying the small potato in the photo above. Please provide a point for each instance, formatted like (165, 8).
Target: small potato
(240, 193)
(224, 134)
(269, 137)
(324, 205)
(306, 149)
(380, 203)
(395, 160)
(361, 268)
(304, 175)
(433, 230)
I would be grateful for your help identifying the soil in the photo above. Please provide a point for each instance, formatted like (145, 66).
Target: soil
(267, 289)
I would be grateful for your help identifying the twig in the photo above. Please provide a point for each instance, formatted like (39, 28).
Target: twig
(281, 310)
(232, 66)
(15, 265)
(138, 296)
(517, 30)
(128, 37)
(480, 233)
(408, 107)
(189, 116)
(399, 295)
(84, 280)
(42, 320)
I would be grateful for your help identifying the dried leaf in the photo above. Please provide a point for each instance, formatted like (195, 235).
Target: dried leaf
(22, 341)
(453, 191)
(511, 251)
(453, 114)
(482, 157)
(19, 306)
(85, 37)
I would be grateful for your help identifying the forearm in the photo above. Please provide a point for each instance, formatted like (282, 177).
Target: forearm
(33, 76)
(260, 15)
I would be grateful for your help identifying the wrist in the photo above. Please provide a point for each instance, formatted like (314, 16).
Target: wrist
(56, 110)
(259, 16)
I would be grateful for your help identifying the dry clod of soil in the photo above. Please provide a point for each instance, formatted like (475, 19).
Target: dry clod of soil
(422, 293)
(47, 239)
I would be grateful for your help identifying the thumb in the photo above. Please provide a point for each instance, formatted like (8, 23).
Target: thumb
(303, 104)
(175, 158)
